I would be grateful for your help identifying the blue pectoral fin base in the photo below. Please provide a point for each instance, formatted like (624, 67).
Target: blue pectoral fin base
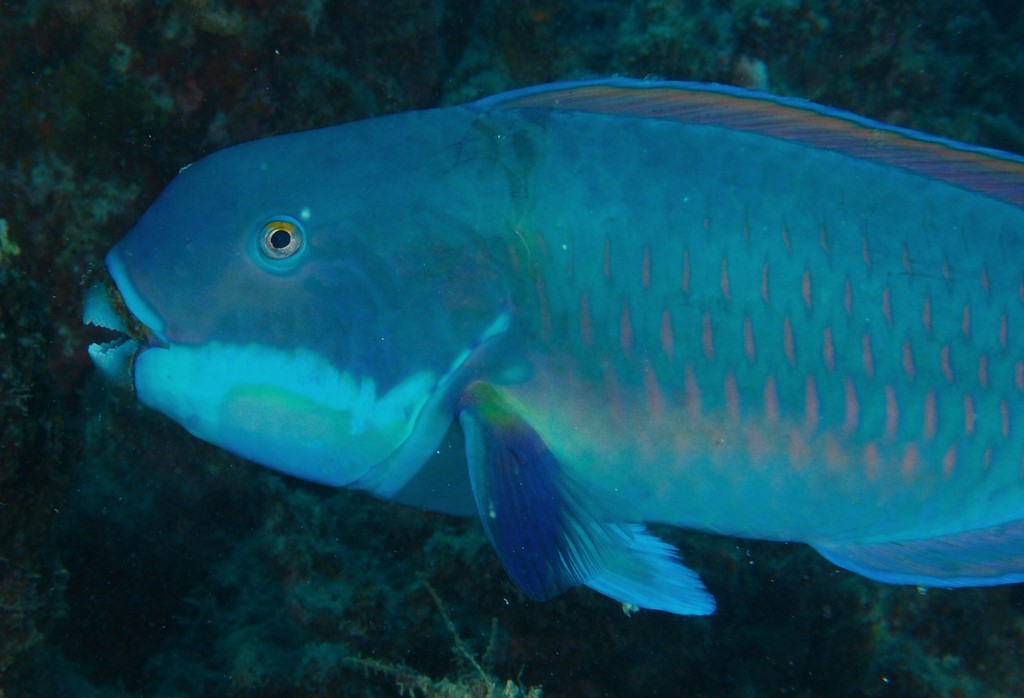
(552, 532)
(982, 557)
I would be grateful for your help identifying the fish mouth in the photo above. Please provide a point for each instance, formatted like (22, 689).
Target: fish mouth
(118, 335)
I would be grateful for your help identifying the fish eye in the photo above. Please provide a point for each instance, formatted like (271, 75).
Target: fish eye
(281, 239)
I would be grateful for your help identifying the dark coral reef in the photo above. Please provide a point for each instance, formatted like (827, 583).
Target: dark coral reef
(135, 560)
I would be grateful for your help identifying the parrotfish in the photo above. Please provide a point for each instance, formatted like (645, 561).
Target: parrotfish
(580, 308)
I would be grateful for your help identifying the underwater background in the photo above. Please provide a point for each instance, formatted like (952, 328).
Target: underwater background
(137, 561)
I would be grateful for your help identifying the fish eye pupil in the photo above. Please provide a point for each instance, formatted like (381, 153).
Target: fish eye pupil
(280, 239)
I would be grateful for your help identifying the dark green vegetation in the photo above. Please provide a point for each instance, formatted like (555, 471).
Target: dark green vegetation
(136, 561)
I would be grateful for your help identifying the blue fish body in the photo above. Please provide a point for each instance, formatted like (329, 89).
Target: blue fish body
(626, 302)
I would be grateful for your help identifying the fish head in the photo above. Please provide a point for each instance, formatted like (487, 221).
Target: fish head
(305, 301)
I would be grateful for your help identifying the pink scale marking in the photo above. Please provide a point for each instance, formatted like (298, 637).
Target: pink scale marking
(969, 415)
(757, 443)
(732, 397)
(707, 337)
(892, 412)
(799, 449)
(724, 278)
(871, 461)
(805, 289)
(771, 401)
(835, 458)
(828, 349)
(926, 314)
(947, 367)
(983, 370)
(949, 461)
(748, 340)
(787, 341)
(965, 324)
(667, 338)
(812, 408)
(848, 298)
(911, 458)
(908, 360)
(851, 407)
(694, 400)
(928, 428)
(887, 306)
(645, 273)
(866, 355)
(1004, 330)
(764, 285)
(1004, 418)
(686, 271)
(652, 391)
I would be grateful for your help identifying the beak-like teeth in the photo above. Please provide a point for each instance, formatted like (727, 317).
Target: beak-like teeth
(104, 307)
(99, 310)
(114, 355)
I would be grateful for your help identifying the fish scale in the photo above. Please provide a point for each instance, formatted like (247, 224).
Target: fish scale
(578, 308)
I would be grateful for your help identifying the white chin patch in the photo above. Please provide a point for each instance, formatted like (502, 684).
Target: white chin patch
(289, 410)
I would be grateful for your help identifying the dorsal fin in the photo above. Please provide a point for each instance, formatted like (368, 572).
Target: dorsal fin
(994, 173)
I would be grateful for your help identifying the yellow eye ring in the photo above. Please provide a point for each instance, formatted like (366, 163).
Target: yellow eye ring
(281, 239)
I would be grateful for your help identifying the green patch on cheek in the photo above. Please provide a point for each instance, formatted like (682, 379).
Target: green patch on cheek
(296, 434)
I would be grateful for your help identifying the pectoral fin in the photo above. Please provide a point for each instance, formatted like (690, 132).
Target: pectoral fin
(553, 532)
